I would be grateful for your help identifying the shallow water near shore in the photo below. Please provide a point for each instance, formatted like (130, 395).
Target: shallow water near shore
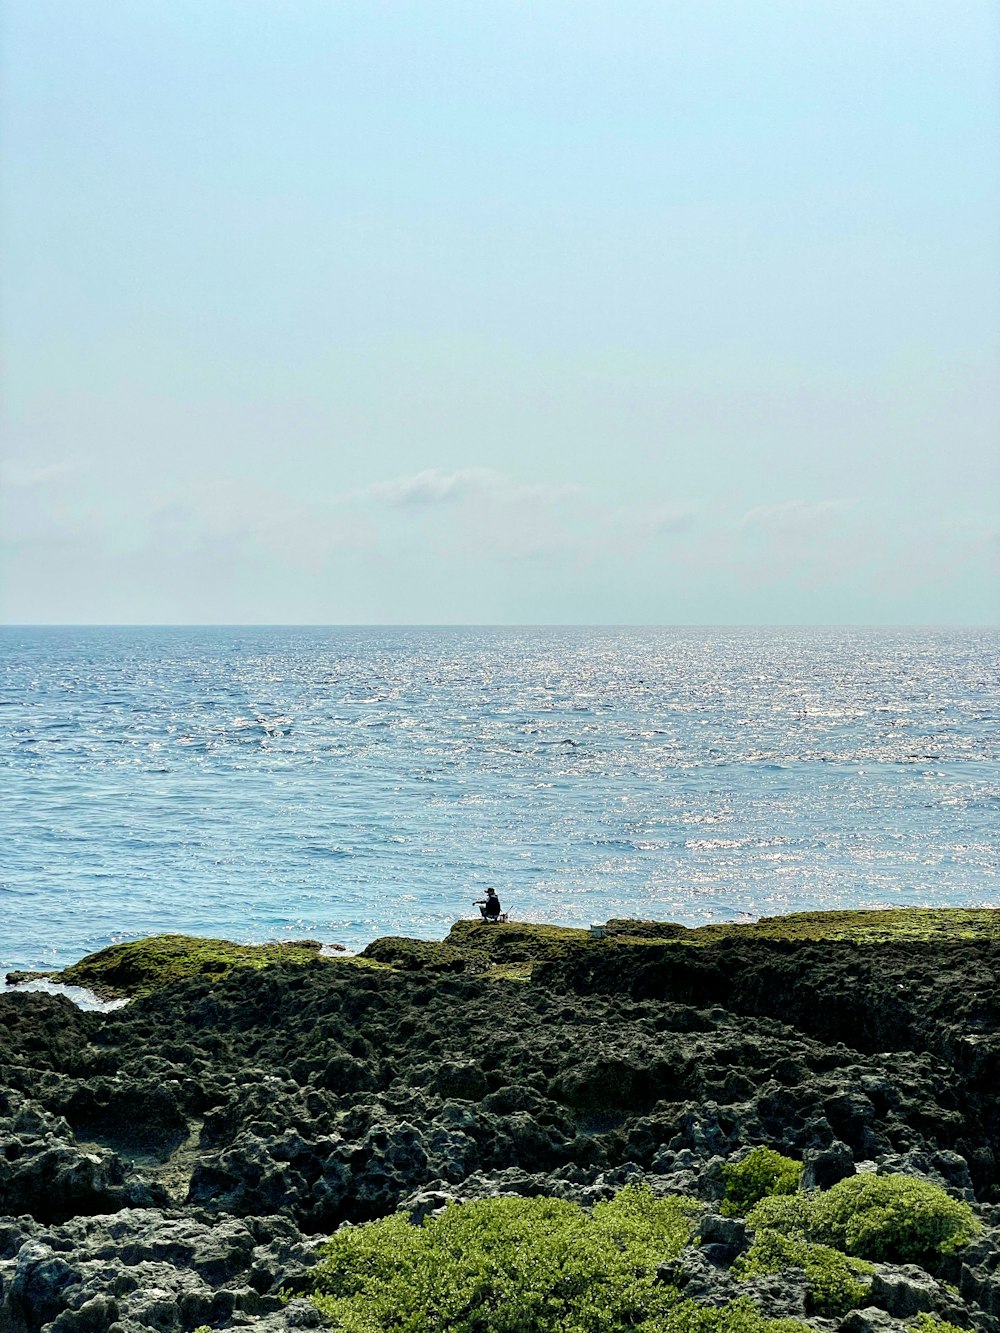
(345, 783)
(81, 997)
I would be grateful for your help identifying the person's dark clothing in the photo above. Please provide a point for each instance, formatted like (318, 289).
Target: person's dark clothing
(490, 906)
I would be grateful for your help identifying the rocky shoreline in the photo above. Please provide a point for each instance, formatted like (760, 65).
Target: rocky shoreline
(178, 1162)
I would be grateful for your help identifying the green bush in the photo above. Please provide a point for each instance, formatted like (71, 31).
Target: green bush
(761, 1173)
(736, 1317)
(508, 1265)
(928, 1323)
(834, 1283)
(896, 1218)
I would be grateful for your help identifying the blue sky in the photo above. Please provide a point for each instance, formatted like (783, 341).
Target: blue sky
(501, 312)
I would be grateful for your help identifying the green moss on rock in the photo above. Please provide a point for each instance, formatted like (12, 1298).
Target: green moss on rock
(408, 955)
(893, 925)
(928, 1323)
(506, 950)
(517, 941)
(740, 1316)
(140, 967)
(527, 943)
(645, 930)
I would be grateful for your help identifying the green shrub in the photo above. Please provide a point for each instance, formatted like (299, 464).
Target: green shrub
(928, 1323)
(834, 1283)
(736, 1317)
(761, 1173)
(507, 1265)
(793, 1214)
(896, 1218)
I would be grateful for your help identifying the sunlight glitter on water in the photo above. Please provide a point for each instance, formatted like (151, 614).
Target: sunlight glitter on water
(347, 783)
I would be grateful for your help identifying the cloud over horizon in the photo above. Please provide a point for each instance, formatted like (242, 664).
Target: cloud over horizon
(797, 518)
(433, 487)
(469, 528)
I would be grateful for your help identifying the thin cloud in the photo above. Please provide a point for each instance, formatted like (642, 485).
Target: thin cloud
(434, 487)
(493, 515)
(657, 520)
(17, 476)
(795, 517)
(237, 516)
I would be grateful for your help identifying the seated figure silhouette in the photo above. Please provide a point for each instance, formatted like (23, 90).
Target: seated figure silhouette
(489, 906)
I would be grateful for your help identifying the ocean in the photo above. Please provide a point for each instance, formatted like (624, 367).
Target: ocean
(344, 783)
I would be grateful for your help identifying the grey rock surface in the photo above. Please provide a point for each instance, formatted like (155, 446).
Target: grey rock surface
(177, 1162)
(149, 1268)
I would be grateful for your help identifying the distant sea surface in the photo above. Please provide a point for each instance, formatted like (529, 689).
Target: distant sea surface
(345, 783)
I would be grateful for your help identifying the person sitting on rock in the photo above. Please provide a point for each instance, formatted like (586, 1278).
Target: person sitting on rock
(489, 906)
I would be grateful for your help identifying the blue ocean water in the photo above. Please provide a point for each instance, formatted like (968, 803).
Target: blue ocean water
(343, 783)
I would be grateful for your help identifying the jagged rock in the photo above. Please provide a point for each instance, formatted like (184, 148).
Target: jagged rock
(145, 1269)
(46, 1172)
(302, 1314)
(903, 1291)
(871, 1319)
(708, 1282)
(727, 1236)
(461, 1078)
(977, 1272)
(823, 1167)
(302, 1097)
(777, 1295)
(426, 1203)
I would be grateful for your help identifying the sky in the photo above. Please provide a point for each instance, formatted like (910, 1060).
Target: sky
(514, 311)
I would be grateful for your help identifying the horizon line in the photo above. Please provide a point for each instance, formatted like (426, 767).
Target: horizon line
(498, 624)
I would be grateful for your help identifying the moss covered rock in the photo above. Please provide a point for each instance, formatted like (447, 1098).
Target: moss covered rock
(835, 1282)
(140, 967)
(517, 941)
(864, 927)
(421, 955)
(891, 925)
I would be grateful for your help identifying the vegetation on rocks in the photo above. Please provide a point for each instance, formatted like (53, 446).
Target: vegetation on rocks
(140, 967)
(502, 1265)
(203, 1139)
(892, 1217)
(738, 1316)
(928, 1323)
(865, 926)
(891, 925)
(835, 1282)
(420, 955)
(761, 1173)
(507, 950)
(517, 941)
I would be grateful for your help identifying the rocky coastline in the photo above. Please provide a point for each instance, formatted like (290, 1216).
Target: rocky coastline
(179, 1162)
